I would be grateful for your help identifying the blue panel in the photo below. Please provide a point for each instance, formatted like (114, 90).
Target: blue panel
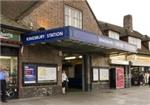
(100, 40)
(82, 36)
(76, 35)
(45, 36)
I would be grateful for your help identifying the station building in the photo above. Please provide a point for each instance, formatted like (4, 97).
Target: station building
(135, 63)
(51, 36)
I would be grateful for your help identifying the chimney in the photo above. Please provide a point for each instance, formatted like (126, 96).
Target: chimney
(127, 22)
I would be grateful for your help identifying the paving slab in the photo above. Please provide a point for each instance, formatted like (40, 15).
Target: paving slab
(127, 96)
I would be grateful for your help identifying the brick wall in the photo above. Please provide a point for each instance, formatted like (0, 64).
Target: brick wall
(51, 15)
(42, 54)
(100, 61)
(48, 15)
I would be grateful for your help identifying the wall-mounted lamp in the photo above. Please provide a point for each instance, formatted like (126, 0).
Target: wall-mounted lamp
(80, 56)
(31, 25)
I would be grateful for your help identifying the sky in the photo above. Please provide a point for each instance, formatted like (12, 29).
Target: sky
(113, 11)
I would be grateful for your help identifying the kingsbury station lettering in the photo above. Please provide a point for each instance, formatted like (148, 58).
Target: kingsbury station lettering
(44, 36)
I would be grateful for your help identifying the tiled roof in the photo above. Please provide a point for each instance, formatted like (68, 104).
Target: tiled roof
(15, 8)
(10, 22)
(123, 32)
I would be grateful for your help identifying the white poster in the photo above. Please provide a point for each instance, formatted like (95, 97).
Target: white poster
(95, 74)
(104, 74)
(71, 72)
(47, 74)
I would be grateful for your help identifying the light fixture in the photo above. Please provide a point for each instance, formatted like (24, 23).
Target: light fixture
(68, 58)
(5, 57)
(80, 56)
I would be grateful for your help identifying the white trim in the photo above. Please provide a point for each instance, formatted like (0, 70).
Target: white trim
(138, 63)
(10, 45)
(122, 62)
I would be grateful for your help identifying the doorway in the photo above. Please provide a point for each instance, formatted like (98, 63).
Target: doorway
(9, 62)
(10, 65)
(73, 65)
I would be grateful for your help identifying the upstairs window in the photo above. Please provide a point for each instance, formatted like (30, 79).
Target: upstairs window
(73, 17)
(113, 35)
(135, 41)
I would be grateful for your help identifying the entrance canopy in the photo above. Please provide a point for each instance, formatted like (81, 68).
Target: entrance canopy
(73, 38)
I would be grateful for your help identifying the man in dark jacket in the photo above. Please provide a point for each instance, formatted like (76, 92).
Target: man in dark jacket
(3, 77)
(141, 79)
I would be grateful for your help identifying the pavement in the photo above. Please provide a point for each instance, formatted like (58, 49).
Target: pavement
(127, 96)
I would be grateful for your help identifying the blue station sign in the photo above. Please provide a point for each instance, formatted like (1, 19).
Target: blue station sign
(76, 36)
(44, 36)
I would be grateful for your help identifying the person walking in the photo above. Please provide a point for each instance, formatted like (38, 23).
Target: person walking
(3, 77)
(64, 81)
(146, 76)
(141, 79)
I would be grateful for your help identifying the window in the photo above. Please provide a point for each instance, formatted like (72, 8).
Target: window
(135, 41)
(149, 45)
(73, 17)
(113, 35)
(100, 74)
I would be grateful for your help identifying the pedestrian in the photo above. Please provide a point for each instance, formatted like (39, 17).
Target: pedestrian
(146, 76)
(141, 79)
(149, 80)
(64, 82)
(3, 77)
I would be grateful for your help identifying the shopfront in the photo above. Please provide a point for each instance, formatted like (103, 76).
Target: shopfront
(45, 56)
(10, 44)
(139, 66)
(120, 60)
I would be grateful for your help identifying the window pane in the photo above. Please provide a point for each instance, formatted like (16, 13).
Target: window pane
(135, 41)
(73, 17)
(66, 22)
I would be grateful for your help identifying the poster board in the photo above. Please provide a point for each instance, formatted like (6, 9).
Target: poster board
(37, 74)
(104, 74)
(71, 72)
(95, 74)
(29, 74)
(120, 78)
(46, 74)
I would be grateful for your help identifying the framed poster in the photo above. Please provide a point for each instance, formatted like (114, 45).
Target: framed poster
(104, 74)
(119, 77)
(46, 74)
(29, 74)
(71, 72)
(95, 74)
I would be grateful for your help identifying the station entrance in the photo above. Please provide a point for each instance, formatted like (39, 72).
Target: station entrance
(73, 65)
(9, 63)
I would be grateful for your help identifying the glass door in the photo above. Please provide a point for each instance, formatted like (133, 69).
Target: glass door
(10, 65)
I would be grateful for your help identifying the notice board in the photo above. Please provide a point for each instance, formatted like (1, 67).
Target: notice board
(120, 78)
